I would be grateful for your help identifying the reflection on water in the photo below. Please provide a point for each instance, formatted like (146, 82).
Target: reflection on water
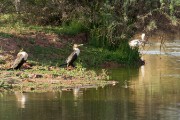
(150, 92)
(76, 92)
(21, 99)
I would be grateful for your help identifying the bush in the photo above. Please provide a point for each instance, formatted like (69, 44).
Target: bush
(73, 28)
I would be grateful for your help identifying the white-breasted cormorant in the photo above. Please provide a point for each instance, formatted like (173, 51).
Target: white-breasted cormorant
(20, 60)
(73, 56)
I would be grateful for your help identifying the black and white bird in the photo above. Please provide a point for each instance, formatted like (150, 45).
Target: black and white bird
(20, 60)
(138, 42)
(73, 56)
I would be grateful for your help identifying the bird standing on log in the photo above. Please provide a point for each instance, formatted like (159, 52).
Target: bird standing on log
(20, 60)
(138, 42)
(73, 56)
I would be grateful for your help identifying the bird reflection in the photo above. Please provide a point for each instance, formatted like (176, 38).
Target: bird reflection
(125, 84)
(76, 92)
(142, 68)
(21, 99)
(142, 71)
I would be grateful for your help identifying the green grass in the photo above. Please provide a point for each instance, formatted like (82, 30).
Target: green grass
(78, 73)
(47, 55)
(90, 56)
(12, 23)
(95, 57)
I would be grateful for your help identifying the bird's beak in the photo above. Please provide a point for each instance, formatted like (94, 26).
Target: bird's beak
(80, 45)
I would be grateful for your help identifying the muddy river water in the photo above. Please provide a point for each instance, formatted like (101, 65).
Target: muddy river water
(150, 92)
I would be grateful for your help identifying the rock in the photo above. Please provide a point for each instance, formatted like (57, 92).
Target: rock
(38, 76)
(35, 76)
(12, 81)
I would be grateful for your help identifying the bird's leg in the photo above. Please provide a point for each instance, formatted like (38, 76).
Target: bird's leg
(67, 65)
(73, 65)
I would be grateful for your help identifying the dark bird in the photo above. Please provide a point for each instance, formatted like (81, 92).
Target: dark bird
(73, 56)
(20, 60)
(138, 42)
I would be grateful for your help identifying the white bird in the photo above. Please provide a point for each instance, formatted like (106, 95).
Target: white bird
(20, 60)
(138, 42)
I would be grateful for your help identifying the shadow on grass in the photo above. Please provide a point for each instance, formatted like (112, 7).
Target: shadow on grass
(6, 35)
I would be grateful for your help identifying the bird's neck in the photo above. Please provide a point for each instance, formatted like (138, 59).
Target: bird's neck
(142, 37)
(24, 55)
(77, 50)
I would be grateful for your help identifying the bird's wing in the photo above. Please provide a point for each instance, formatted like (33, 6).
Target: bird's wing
(17, 61)
(70, 57)
(73, 58)
(135, 42)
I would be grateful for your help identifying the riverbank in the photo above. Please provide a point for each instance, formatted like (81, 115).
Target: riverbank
(48, 47)
(47, 51)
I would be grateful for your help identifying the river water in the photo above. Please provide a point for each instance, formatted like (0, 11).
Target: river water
(151, 92)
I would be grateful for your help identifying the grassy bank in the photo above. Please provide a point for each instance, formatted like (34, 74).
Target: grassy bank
(43, 79)
(55, 43)
(48, 47)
